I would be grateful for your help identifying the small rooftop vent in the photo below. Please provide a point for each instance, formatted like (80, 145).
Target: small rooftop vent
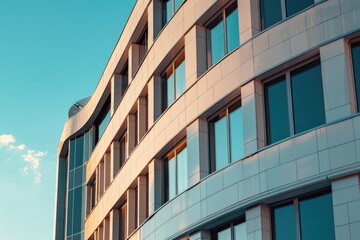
(76, 107)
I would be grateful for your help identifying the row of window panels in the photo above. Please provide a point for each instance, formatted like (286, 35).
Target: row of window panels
(306, 217)
(288, 112)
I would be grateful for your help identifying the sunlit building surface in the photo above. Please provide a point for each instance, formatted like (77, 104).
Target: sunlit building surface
(219, 120)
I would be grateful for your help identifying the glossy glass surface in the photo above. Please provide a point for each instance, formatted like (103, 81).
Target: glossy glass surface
(295, 6)
(232, 30)
(78, 204)
(180, 79)
(224, 234)
(307, 98)
(217, 42)
(104, 123)
(221, 144)
(236, 135)
(316, 217)
(123, 222)
(240, 231)
(178, 4)
(69, 214)
(167, 11)
(171, 178)
(277, 110)
(182, 170)
(284, 222)
(355, 51)
(79, 156)
(170, 90)
(270, 12)
(72, 155)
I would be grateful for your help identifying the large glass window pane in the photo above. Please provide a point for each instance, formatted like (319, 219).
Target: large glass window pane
(277, 110)
(221, 144)
(170, 90)
(72, 155)
(71, 179)
(316, 217)
(78, 176)
(178, 4)
(69, 222)
(180, 79)
(182, 176)
(295, 6)
(284, 222)
(356, 64)
(167, 11)
(86, 147)
(123, 222)
(104, 124)
(236, 135)
(232, 30)
(308, 98)
(171, 178)
(240, 231)
(224, 234)
(79, 151)
(271, 12)
(217, 42)
(77, 210)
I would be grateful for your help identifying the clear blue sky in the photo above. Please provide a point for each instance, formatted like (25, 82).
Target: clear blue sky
(52, 53)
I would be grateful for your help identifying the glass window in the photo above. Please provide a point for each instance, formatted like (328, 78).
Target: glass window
(72, 155)
(103, 124)
(123, 149)
(240, 231)
(224, 234)
(355, 51)
(312, 217)
(228, 140)
(69, 216)
(174, 81)
(290, 111)
(272, 10)
(231, 231)
(277, 110)
(308, 108)
(224, 34)
(123, 222)
(79, 151)
(169, 8)
(176, 172)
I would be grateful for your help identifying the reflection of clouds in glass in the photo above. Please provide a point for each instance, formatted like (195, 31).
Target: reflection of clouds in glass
(32, 158)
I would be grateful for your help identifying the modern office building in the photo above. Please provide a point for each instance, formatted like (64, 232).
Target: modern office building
(219, 120)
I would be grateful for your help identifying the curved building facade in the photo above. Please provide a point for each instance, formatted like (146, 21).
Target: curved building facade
(219, 120)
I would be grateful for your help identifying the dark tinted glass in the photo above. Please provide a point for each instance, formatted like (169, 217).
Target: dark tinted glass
(167, 11)
(224, 234)
(217, 42)
(356, 64)
(171, 178)
(71, 179)
(307, 97)
(270, 12)
(295, 6)
(232, 30)
(277, 110)
(77, 210)
(221, 144)
(79, 151)
(72, 155)
(316, 218)
(284, 222)
(104, 123)
(180, 79)
(236, 135)
(69, 221)
(123, 222)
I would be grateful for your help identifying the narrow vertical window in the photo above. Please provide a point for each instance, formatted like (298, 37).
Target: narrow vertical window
(224, 34)
(123, 222)
(355, 51)
(123, 149)
(169, 7)
(227, 128)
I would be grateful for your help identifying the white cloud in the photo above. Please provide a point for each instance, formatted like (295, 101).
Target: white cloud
(6, 139)
(32, 158)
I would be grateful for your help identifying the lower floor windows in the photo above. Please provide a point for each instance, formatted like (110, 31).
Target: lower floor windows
(308, 218)
(176, 172)
(355, 52)
(233, 231)
(123, 222)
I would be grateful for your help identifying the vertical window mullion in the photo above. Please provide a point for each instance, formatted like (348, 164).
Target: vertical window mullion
(228, 135)
(297, 218)
(283, 9)
(225, 33)
(290, 104)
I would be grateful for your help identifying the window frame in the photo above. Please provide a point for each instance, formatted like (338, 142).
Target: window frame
(173, 10)
(227, 225)
(172, 154)
(296, 203)
(212, 22)
(287, 75)
(354, 43)
(222, 113)
(170, 70)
